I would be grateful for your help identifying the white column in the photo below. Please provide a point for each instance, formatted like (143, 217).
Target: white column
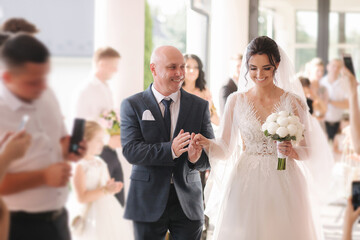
(229, 31)
(121, 24)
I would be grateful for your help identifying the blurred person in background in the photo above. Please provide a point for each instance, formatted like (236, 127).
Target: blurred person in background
(34, 187)
(16, 25)
(231, 85)
(314, 70)
(97, 97)
(12, 147)
(337, 97)
(195, 83)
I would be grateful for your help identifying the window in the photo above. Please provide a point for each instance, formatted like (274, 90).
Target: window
(306, 37)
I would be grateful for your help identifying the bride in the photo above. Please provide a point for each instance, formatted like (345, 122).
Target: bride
(247, 198)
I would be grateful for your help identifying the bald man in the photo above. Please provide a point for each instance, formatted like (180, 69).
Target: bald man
(157, 129)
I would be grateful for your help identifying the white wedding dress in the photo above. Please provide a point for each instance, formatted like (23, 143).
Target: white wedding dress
(262, 203)
(246, 197)
(105, 216)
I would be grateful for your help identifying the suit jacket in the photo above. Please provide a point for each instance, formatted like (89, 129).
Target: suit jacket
(225, 91)
(147, 147)
(111, 158)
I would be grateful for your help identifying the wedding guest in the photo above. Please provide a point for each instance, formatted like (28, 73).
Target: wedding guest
(96, 101)
(13, 146)
(4, 36)
(98, 208)
(34, 187)
(315, 71)
(305, 82)
(97, 97)
(195, 83)
(15, 25)
(337, 101)
(231, 85)
(338, 144)
(350, 218)
(354, 109)
(109, 153)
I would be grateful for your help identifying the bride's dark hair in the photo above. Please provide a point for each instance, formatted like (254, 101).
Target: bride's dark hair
(263, 45)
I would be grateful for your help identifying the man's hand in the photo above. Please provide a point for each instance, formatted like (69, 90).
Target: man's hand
(65, 143)
(57, 174)
(195, 150)
(180, 142)
(15, 145)
(353, 84)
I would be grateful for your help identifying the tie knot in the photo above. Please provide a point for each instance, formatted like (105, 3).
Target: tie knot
(166, 103)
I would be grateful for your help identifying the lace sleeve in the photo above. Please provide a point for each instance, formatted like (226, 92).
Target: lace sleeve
(222, 157)
(223, 146)
(314, 151)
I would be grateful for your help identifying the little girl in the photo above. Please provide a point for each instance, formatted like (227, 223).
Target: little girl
(94, 190)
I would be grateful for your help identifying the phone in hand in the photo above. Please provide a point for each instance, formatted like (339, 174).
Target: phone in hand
(77, 135)
(356, 194)
(349, 63)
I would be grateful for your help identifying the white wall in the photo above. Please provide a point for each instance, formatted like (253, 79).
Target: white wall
(121, 25)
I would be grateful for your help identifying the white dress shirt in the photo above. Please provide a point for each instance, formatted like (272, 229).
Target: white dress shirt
(46, 127)
(174, 109)
(94, 99)
(337, 92)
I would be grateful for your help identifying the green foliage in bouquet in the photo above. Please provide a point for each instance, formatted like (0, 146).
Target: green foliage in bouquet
(278, 138)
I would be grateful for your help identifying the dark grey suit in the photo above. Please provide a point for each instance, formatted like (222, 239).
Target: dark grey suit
(147, 146)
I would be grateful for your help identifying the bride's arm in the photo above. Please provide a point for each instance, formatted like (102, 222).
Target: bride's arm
(223, 146)
(301, 150)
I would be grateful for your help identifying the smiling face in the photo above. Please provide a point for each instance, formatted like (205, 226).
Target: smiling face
(261, 71)
(191, 70)
(168, 69)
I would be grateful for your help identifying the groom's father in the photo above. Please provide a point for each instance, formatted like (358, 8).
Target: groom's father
(157, 128)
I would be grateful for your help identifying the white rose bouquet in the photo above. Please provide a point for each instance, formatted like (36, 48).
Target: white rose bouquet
(283, 126)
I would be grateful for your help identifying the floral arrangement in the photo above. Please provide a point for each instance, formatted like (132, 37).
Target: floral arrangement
(110, 120)
(283, 126)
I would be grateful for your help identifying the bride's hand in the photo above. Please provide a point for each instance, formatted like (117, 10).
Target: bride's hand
(285, 148)
(203, 141)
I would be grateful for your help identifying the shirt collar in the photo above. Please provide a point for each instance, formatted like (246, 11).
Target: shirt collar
(99, 82)
(159, 97)
(11, 100)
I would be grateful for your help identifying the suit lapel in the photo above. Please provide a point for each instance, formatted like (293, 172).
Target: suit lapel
(185, 103)
(153, 106)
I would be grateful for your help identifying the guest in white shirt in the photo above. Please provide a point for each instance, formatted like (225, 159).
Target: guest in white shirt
(337, 101)
(97, 97)
(34, 187)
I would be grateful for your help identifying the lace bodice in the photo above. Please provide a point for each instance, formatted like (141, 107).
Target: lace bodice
(241, 127)
(254, 141)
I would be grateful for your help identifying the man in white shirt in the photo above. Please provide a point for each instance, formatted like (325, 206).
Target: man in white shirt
(96, 97)
(337, 94)
(34, 187)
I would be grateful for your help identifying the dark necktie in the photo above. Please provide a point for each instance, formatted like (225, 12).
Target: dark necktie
(167, 115)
